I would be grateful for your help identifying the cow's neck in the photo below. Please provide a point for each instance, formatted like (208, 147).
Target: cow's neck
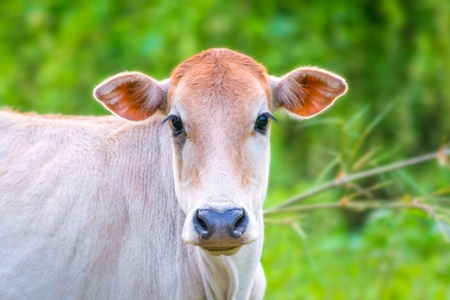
(215, 277)
(225, 277)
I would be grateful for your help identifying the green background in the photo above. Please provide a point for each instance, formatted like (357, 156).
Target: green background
(395, 56)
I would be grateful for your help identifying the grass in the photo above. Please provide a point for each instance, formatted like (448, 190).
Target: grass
(396, 255)
(313, 253)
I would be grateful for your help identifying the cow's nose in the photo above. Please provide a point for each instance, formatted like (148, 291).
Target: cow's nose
(230, 223)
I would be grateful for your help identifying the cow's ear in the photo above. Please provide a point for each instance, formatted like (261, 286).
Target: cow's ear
(132, 95)
(305, 92)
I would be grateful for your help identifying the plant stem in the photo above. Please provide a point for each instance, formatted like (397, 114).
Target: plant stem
(356, 206)
(348, 178)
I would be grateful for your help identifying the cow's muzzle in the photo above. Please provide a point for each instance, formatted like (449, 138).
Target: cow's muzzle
(226, 226)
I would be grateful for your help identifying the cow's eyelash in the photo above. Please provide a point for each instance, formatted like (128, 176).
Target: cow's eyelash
(169, 117)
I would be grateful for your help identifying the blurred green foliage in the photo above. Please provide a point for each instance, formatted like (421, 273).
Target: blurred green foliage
(395, 55)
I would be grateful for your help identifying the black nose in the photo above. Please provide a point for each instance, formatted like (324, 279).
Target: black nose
(230, 223)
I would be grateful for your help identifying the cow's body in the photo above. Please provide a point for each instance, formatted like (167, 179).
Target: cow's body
(103, 208)
(80, 212)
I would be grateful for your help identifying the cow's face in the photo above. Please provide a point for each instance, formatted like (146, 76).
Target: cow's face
(219, 108)
(220, 111)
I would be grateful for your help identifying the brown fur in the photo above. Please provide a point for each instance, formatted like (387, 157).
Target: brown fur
(223, 83)
(220, 72)
(306, 92)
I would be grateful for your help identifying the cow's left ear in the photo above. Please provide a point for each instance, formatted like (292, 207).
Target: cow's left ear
(305, 92)
(132, 95)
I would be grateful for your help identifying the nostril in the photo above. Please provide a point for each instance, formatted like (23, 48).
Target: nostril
(239, 225)
(240, 221)
(201, 224)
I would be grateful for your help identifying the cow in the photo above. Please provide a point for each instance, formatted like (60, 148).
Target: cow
(163, 199)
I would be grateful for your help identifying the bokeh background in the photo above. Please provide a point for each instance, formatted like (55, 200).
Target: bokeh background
(395, 55)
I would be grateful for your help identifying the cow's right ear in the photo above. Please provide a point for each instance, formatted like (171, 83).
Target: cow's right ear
(132, 95)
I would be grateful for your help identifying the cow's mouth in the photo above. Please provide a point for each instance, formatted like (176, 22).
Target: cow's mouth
(216, 251)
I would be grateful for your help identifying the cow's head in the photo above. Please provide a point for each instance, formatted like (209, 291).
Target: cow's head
(219, 107)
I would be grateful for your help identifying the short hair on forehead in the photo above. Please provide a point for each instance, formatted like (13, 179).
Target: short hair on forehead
(217, 65)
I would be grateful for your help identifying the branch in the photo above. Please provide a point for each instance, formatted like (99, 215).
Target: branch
(358, 206)
(440, 155)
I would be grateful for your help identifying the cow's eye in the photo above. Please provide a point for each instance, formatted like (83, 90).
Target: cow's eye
(262, 121)
(177, 125)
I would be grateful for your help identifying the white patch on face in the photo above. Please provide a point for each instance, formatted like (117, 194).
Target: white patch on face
(218, 185)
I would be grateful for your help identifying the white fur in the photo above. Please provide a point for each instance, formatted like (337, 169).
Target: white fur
(88, 211)
(221, 188)
(96, 208)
